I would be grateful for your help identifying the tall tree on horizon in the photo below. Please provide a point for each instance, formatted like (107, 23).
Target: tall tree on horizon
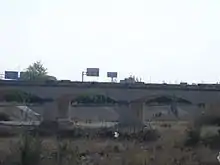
(36, 71)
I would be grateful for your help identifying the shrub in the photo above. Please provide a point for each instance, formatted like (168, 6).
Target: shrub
(193, 137)
(66, 154)
(26, 152)
(116, 148)
(207, 120)
(4, 117)
(212, 142)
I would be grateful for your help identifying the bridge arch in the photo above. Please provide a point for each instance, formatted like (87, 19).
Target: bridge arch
(162, 99)
(144, 103)
(64, 102)
(129, 112)
(21, 97)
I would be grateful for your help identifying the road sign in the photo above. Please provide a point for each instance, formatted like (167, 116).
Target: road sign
(13, 75)
(112, 74)
(92, 72)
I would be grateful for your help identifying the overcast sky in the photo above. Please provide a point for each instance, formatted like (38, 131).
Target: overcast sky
(156, 40)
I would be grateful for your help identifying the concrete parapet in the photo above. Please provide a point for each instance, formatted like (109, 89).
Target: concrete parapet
(142, 85)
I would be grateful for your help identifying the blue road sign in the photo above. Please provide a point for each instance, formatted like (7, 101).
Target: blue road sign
(11, 75)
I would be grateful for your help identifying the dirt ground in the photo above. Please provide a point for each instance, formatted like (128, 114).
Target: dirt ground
(168, 149)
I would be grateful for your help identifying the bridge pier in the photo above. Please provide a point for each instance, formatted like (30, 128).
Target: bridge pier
(131, 115)
(57, 112)
(138, 109)
(50, 112)
(63, 109)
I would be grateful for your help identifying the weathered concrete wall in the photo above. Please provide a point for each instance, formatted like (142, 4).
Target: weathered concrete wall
(195, 96)
(57, 108)
(49, 111)
(184, 112)
(212, 109)
(95, 113)
(138, 110)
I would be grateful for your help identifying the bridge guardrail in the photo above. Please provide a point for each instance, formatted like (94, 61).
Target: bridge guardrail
(110, 85)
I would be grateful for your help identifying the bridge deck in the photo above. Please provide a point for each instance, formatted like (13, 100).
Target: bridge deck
(75, 84)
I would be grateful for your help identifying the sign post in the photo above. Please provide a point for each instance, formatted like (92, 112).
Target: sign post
(112, 75)
(92, 72)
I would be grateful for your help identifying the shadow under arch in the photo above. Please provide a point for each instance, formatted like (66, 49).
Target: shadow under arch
(66, 101)
(20, 96)
(162, 100)
(88, 99)
(172, 101)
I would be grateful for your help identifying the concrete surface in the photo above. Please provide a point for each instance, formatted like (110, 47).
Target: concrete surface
(193, 93)
(63, 92)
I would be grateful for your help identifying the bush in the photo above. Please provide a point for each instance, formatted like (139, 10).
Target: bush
(116, 148)
(212, 142)
(66, 154)
(29, 151)
(26, 152)
(47, 128)
(4, 117)
(193, 137)
(141, 136)
(207, 120)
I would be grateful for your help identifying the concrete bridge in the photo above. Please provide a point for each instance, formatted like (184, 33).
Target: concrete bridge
(62, 92)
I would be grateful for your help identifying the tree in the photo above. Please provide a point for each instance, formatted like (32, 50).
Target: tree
(36, 71)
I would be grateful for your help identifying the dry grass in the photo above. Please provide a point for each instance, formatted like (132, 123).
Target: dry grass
(169, 149)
